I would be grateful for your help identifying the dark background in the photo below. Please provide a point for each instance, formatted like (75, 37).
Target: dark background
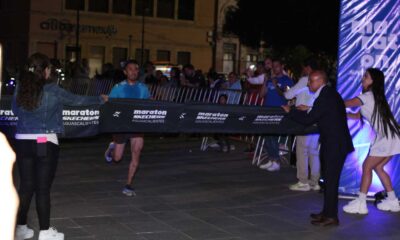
(287, 23)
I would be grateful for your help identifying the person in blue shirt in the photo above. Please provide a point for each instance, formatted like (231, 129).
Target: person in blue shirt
(274, 87)
(273, 91)
(130, 88)
(234, 88)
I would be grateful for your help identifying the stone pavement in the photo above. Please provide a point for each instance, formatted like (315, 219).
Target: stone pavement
(184, 193)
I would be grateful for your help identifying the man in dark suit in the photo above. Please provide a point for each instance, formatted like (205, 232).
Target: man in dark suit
(329, 113)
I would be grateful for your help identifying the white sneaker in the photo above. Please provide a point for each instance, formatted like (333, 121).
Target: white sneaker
(213, 145)
(315, 187)
(300, 187)
(23, 232)
(389, 205)
(265, 166)
(128, 191)
(225, 149)
(356, 206)
(108, 153)
(274, 167)
(51, 234)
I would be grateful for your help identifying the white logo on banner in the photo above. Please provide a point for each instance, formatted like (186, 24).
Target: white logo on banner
(7, 117)
(149, 116)
(81, 117)
(268, 119)
(207, 117)
(6, 112)
(116, 114)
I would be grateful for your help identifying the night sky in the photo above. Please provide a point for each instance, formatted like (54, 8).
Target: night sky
(287, 23)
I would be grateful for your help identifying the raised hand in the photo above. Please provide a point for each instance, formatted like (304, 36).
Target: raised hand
(286, 108)
(104, 97)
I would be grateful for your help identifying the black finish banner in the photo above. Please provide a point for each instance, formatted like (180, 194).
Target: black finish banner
(147, 116)
(152, 116)
(78, 121)
(124, 115)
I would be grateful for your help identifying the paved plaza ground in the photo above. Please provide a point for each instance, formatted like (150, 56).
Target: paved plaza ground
(184, 193)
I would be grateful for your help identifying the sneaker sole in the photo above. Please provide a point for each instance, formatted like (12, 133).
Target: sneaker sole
(355, 212)
(129, 194)
(264, 168)
(389, 210)
(273, 170)
(60, 236)
(300, 190)
(26, 236)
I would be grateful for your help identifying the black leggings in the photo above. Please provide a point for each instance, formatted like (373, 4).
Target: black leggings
(36, 176)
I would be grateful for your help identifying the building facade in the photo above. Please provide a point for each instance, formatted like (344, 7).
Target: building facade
(231, 55)
(170, 31)
(173, 31)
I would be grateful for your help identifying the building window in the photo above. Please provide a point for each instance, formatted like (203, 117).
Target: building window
(98, 6)
(186, 9)
(229, 60)
(122, 7)
(251, 59)
(165, 8)
(163, 55)
(96, 60)
(146, 6)
(71, 53)
(184, 58)
(119, 55)
(75, 4)
(138, 56)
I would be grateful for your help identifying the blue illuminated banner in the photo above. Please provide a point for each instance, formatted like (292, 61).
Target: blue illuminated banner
(369, 37)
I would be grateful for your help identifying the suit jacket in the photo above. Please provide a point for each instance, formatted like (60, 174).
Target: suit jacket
(329, 113)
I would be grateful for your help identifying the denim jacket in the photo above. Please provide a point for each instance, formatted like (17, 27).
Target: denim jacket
(47, 117)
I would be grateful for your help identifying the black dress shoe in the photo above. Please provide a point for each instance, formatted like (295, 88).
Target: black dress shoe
(324, 222)
(316, 216)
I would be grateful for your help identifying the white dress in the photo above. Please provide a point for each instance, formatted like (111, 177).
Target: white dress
(382, 146)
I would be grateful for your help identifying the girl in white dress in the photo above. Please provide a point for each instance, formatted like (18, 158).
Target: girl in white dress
(376, 110)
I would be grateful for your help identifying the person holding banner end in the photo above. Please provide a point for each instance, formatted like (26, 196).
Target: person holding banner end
(329, 113)
(38, 104)
(375, 108)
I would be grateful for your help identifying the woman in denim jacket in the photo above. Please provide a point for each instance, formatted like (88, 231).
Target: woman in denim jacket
(38, 105)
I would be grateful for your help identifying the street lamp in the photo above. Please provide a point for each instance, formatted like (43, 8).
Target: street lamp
(130, 46)
(77, 49)
(144, 11)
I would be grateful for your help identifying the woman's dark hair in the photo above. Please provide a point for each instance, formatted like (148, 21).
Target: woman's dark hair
(31, 82)
(382, 116)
